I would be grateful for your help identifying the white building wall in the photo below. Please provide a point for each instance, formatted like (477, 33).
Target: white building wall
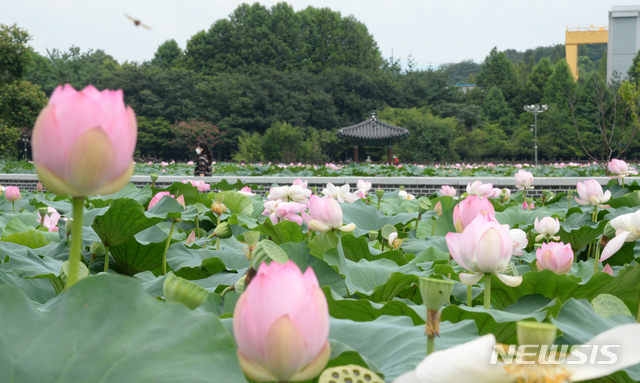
(624, 39)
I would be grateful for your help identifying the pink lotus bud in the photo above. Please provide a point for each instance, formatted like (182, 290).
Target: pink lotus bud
(246, 191)
(94, 135)
(448, 191)
(607, 269)
(39, 187)
(591, 193)
(483, 247)
(190, 163)
(438, 209)
(555, 256)
(524, 179)
(191, 238)
(281, 325)
(620, 168)
(468, 209)
(12, 193)
(326, 215)
(546, 228)
(156, 198)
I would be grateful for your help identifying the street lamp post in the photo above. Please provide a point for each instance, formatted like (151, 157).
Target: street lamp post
(535, 109)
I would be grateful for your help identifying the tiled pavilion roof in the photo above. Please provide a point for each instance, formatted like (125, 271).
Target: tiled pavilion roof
(373, 130)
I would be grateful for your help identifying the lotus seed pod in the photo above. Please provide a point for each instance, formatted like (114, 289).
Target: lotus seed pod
(535, 333)
(154, 177)
(83, 272)
(238, 287)
(609, 231)
(251, 238)
(373, 235)
(379, 193)
(180, 290)
(43, 211)
(97, 249)
(435, 292)
(350, 373)
(607, 305)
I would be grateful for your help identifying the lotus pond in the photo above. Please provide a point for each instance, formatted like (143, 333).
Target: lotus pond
(116, 324)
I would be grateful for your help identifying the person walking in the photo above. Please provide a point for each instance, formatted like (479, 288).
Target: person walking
(203, 166)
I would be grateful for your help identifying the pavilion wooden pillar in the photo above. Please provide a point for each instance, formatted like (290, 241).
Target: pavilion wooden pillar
(355, 153)
(389, 154)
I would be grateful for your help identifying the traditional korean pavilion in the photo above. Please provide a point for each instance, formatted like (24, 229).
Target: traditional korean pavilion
(373, 132)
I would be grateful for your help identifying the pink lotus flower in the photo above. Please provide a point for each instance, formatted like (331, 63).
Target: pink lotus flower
(150, 163)
(156, 198)
(483, 247)
(524, 179)
(448, 191)
(12, 193)
(50, 220)
(528, 205)
(518, 239)
(201, 185)
(480, 189)
(555, 256)
(363, 188)
(590, 193)
(246, 191)
(163, 163)
(190, 163)
(94, 135)
(547, 228)
(281, 325)
(325, 214)
(301, 183)
(620, 169)
(288, 211)
(468, 209)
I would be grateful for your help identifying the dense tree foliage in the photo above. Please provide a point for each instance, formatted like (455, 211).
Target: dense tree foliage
(277, 84)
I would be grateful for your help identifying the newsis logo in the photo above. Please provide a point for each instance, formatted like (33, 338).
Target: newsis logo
(556, 354)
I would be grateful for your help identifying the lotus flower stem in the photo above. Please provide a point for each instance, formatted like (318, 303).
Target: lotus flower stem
(638, 313)
(166, 247)
(76, 241)
(417, 222)
(106, 259)
(469, 297)
(434, 228)
(595, 267)
(197, 228)
(594, 216)
(218, 239)
(487, 291)
(14, 207)
(431, 345)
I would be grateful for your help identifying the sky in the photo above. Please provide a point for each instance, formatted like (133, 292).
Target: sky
(433, 32)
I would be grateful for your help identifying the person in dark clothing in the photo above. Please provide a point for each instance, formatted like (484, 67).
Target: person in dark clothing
(203, 166)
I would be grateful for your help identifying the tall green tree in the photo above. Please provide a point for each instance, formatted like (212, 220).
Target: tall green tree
(15, 53)
(497, 70)
(561, 86)
(496, 110)
(168, 55)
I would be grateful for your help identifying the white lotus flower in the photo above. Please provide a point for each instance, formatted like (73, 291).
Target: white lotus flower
(470, 362)
(627, 230)
(295, 193)
(405, 195)
(342, 193)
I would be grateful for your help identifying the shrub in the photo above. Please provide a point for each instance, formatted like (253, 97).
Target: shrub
(188, 133)
(249, 149)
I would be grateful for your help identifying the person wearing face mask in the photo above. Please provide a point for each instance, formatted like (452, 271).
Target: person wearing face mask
(203, 166)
